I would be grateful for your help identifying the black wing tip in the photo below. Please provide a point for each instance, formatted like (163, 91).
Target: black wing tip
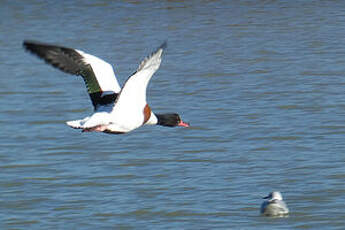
(66, 59)
(32, 45)
(164, 45)
(28, 43)
(35, 48)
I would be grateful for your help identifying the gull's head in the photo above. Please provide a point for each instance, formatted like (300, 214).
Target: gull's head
(276, 195)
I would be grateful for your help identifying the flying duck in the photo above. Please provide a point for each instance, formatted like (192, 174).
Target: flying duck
(274, 205)
(116, 110)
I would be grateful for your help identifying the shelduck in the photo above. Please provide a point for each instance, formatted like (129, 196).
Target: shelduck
(116, 110)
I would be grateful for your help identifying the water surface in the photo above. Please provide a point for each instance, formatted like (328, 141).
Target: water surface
(261, 82)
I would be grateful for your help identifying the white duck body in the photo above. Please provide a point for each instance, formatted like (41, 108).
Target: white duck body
(130, 110)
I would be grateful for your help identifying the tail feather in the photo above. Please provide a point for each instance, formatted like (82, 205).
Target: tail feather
(77, 124)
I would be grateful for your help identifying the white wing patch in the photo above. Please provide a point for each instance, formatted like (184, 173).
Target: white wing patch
(129, 107)
(104, 72)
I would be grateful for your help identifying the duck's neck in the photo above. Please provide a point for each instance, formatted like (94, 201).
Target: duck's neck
(166, 119)
(153, 120)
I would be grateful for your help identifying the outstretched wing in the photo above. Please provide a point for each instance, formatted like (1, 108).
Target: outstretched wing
(131, 105)
(98, 75)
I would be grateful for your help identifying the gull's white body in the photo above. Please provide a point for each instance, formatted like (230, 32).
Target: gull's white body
(274, 206)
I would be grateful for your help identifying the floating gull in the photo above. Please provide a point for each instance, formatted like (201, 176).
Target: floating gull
(274, 205)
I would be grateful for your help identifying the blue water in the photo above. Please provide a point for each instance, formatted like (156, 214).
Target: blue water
(261, 82)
